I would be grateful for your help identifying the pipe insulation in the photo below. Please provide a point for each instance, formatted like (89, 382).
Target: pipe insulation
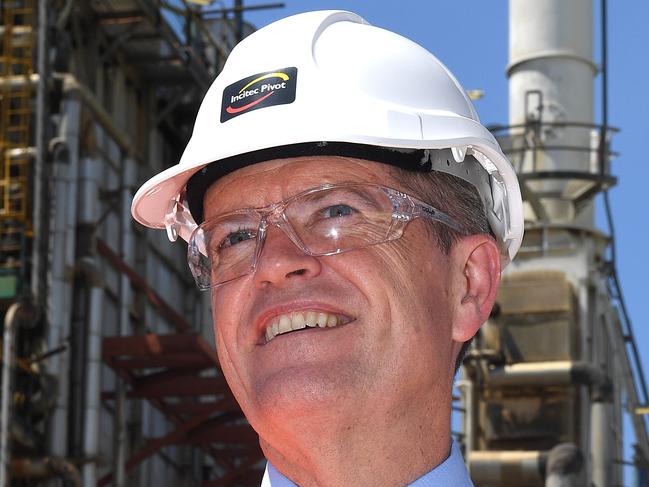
(565, 467)
(66, 162)
(46, 468)
(467, 389)
(41, 176)
(602, 445)
(560, 372)
(8, 344)
(507, 468)
(129, 174)
(93, 277)
(72, 86)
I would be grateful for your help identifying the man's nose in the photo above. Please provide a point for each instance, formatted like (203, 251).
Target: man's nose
(282, 262)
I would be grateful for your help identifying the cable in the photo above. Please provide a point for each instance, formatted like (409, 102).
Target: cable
(613, 275)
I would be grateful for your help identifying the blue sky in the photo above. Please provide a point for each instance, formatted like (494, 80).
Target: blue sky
(471, 38)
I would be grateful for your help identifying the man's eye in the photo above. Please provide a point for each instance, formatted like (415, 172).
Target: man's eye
(237, 237)
(337, 211)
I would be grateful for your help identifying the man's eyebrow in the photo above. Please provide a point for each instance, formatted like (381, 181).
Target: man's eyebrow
(360, 192)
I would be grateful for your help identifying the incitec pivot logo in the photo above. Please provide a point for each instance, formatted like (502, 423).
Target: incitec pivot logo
(259, 91)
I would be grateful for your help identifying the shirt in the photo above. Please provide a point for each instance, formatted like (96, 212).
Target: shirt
(450, 473)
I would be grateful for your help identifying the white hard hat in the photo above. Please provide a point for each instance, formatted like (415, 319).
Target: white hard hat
(327, 82)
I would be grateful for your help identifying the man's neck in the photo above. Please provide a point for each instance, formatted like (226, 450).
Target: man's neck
(398, 450)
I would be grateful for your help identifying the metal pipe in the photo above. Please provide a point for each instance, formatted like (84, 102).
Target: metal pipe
(19, 81)
(93, 276)
(223, 11)
(561, 372)
(129, 176)
(72, 85)
(58, 365)
(40, 216)
(602, 444)
(45, 468)
(238, 15)
(65, 152)
(603, 133)
(62, 19)
(29, 468)
(9, 335)
(467, 388)
(90, 175)
(507, 468)
(565, 467)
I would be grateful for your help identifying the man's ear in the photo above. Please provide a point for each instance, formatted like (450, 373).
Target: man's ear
(476, 268)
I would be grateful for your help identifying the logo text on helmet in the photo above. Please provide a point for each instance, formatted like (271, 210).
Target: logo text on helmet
(260, 90)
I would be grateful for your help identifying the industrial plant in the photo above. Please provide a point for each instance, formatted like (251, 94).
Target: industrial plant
(109, 371)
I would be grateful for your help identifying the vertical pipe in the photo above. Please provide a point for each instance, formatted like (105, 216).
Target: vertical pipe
(601, 443)
(93, 376)
(56, 331)
(88, 214)
(70, 133)
(125, 299)
(40, 208)
(565, 467)
(238, 13)
(9, 336)
(466, 386)
(604, 54)
(90, 172)
(63, 250)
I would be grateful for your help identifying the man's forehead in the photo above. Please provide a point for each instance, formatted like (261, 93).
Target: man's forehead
(271, 181)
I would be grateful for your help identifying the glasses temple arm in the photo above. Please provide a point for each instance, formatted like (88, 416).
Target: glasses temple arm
(425, 210)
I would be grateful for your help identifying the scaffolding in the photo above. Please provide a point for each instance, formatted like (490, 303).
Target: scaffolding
(16, 70)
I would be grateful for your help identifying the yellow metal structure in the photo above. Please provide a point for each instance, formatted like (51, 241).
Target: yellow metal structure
(16, 67)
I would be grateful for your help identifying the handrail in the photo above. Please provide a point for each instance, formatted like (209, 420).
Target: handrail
(537, 123)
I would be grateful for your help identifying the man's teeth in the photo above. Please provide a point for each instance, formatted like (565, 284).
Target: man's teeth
(301, 319)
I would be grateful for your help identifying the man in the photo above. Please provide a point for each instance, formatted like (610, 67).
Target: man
(353, 218)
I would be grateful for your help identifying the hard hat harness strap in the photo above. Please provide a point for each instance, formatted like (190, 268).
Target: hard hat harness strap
(468, 168)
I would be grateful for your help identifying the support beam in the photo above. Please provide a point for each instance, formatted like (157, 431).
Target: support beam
(138, 282)
(154, 446)
(177, 383)
(210, 433)
(234, 474)
(189, 387)
(178, 361)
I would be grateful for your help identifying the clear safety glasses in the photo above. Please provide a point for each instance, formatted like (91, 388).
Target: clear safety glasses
(326, 220)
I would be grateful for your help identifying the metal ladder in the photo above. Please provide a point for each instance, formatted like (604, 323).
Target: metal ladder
(16, 70)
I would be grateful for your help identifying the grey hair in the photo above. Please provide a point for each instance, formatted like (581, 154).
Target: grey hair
(458, 199)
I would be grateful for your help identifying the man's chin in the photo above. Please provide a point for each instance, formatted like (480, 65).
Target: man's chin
(298, 392)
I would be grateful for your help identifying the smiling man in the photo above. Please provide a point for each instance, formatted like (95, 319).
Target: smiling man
(351, 217)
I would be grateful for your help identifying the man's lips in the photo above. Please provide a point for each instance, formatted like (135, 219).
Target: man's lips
(280, 320)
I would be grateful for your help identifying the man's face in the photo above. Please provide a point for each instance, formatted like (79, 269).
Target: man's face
(394, 349)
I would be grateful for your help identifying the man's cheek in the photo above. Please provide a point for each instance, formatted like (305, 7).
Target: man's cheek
(395, 261)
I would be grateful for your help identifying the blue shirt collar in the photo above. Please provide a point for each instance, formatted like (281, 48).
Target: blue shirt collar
(450, 473)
